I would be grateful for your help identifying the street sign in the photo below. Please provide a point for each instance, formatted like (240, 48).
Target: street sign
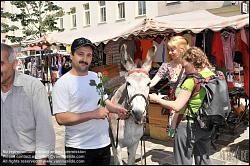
(244, 7)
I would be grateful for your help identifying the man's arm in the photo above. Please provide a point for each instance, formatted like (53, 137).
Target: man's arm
(72, 118)
(115, 108)
(45, 134)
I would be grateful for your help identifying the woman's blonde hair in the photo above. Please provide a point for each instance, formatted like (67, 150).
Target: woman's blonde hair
(197, 57)
(178, 41)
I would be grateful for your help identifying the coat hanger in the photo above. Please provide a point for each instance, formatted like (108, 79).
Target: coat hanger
(225, 33)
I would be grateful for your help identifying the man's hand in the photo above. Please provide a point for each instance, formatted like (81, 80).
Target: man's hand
(41, 161)
(154, 97)
(101, 113)
(122, 113)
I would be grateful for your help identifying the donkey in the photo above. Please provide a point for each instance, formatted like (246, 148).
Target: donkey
(133, 95)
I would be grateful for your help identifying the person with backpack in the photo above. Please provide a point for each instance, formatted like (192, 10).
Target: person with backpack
(190, 139)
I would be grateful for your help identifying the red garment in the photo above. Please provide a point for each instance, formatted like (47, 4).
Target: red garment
(242, 47)
(217, 49)
(145, 45)
(138, 50)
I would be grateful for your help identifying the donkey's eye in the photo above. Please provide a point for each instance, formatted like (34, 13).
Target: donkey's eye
(148, 84)
(128, 84)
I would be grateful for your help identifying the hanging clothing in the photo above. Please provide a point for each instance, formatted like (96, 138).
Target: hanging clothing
(146, 44)
(242, 47)
(217, 50)
(243, 36)
(208, 46)
(138, 52)
(193, 40)
(160, 52)
(228, 48)
(199, 40)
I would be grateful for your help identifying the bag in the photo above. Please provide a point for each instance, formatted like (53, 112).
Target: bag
(215, 107)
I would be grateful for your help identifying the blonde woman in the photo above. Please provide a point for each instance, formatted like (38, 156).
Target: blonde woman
(173, 71)
(190, 139)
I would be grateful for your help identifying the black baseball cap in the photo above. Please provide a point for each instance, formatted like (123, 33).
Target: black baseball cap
(81, 42)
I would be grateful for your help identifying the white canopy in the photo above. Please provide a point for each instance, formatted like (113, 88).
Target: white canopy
(97, 34)
(195, 21)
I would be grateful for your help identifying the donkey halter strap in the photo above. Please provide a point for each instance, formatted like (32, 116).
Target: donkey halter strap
(138, 71)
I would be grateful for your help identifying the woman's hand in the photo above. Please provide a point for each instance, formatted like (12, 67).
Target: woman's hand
(154, 97)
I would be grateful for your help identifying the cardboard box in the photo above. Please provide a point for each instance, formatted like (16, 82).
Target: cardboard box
(155, 115)
(158, 132)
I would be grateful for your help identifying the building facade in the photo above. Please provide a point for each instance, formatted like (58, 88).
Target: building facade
(87, 15)
(80, 15)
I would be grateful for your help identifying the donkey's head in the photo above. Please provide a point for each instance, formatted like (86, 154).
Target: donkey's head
(137, 83)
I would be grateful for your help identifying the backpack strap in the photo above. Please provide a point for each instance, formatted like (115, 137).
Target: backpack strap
(198, 79)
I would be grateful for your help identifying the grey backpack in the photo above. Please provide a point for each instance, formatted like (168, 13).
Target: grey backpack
(215, 107)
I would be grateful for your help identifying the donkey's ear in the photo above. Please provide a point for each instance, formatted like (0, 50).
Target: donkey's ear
(126, 59)
(148, 61)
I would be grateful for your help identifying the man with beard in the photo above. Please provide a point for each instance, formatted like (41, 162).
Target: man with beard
(27, 134)
(75, 105)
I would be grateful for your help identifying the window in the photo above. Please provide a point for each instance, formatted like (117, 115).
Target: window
(141, 8)
(61, 23)
(121, 10)
(86, 14)
(73, 17)
(102, 11)
(172, 2)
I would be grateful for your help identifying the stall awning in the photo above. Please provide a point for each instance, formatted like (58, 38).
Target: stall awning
(195, 21)
(100, 33)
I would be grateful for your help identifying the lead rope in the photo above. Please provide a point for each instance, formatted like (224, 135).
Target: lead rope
(117, 130)
(144, 147)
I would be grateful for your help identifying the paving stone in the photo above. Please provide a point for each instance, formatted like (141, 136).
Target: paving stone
(231, 149)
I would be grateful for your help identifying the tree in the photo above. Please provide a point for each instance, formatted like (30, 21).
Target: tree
(36, 17)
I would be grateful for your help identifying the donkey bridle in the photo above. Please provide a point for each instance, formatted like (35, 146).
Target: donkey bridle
(129, 106)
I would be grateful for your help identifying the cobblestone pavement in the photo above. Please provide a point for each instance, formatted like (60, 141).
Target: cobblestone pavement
(232, 149)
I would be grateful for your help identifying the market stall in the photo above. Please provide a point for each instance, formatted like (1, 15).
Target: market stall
(224, 40)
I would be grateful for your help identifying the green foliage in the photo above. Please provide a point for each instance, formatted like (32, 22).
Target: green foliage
(36, 17)
(100, 88)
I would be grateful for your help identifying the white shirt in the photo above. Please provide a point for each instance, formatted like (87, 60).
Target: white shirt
(26, 122)
(4, 95)
(74, 94)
